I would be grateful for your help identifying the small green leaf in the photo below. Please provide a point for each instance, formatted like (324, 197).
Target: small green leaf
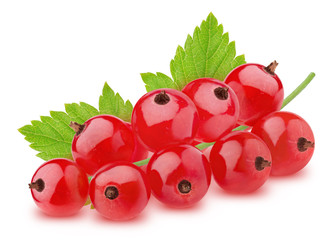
(113, 104)
(156, 81)
(209, 53)
(52, 137)
(80, 113)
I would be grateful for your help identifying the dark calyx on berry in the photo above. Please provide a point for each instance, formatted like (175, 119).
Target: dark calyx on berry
(271, 68)
(162, 98)
(38, 185)
(221, 93)
(184, 186)
(111, 192)
(78, 128)
(261, 163)
(303, 144)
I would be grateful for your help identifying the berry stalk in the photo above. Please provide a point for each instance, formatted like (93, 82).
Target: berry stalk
(286, 101)
(298, 90)
(142, 162)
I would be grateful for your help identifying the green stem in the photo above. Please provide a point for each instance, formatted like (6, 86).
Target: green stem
(204, 145)
(142, 162)
(240, 128)
(286, 101)
(298, 89)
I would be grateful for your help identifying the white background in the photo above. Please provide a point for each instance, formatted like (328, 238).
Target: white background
(56, 52)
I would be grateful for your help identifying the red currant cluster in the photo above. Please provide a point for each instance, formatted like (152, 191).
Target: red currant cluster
(166, 125)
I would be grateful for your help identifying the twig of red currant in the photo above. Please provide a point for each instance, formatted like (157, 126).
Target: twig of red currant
(156, 153)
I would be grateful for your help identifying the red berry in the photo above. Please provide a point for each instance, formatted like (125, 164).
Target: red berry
(119, 191)
(59, 187)
(217, 105)
(240, 162)
(259, 91)
(101, 140)
(179, 175)
(290, 140)
(164, 117)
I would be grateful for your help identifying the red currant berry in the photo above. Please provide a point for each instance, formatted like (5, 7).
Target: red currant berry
(179, 175)
(101, 140)
(259, 91)
(119, 191)
(164, 117)
(59, 187)
(240, 162)
(290, 140)
(217, 105)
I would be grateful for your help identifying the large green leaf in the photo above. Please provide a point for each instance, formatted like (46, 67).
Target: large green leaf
(209, 53)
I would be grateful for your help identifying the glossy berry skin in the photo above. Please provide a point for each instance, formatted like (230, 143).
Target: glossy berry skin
(290, 140)
(104, 139)
(140, 152)
(217, 105)
(59, 187)
(259, 91)
(240, 162)
(206, 152)
(144, 168)
(164, 117)
(179, 175)
(119, 191)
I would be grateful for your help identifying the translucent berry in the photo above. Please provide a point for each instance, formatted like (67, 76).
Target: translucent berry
(101, 140)
(164, 117)
(258, 89)
(59, 187)
(217, 105)
(179, 175)
(240, 162)
(290, 140)
(119, 191)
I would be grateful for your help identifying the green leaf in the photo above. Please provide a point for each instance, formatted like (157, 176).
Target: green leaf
(209, 53)
(113, 104)
(156, 81)
(80, 113)
(52, 137)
